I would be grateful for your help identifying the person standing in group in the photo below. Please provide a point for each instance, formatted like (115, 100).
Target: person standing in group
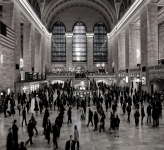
(15, 132)
(24, 116)
(90, 117)
(34, 122)
(9, 142)
(96, 120)
(48, 130)
(137, 115)
(142, 114)
(30, 128)
(128, 111)
(149, 113)
(22, 147)
(55, 135)
(76, 136)
(70, 145)
(69, 113)
(117, 122)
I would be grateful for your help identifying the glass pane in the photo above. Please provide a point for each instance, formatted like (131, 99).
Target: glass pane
(79, 42)
(58, 43)
(100, 43)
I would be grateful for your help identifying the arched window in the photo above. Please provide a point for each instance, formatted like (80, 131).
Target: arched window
(58, 42)
(100, 43)
(122, 11)
(37, 10)
(79, 43)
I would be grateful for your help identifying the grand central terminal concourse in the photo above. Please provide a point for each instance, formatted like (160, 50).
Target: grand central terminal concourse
(81, 74)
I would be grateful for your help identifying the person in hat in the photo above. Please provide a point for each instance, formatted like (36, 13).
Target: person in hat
(9, 142)
(15, 131)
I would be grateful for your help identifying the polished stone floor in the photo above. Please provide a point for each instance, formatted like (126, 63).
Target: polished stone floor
(143, 137)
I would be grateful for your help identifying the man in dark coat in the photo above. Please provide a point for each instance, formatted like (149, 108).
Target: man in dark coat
(149, 113)
(70, 145)
(15, 132)
(58, 122)
(55, 135)
(128, 111)
(24, 116)
(137, 115)
(95, 120)
(90, 117)
(9, 143)
(69, 113)
(30, 128)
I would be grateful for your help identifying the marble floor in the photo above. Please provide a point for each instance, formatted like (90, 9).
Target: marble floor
(143, 137)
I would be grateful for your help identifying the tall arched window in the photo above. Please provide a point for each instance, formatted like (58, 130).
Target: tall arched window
(79, 42)
(58, 42)
(121, 11)
(100, 42)
(37, 10)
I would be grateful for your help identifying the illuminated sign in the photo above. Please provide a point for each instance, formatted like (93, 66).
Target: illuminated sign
(127, 79)
(143, 80)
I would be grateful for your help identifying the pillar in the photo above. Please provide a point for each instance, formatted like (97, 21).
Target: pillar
(121, 51)
(90, 52)
(38, 59)
(69, 52)
(149, 35)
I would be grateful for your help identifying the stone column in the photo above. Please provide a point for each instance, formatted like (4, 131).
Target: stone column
(38, 59)
(17, 29)
(90, 52)
(114, 49)
(69, 51)
(133, 46)
(27, 46)
(149, 35)
(127, 47)
(121, 51)
(109, 56)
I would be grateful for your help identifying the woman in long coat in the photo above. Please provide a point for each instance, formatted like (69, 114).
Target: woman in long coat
(76, 136)
(9, 142)
(48, 130)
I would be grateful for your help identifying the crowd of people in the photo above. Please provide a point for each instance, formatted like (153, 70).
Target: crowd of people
(104, 98)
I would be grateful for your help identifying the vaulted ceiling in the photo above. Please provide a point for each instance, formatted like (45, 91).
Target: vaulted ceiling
(107, 10)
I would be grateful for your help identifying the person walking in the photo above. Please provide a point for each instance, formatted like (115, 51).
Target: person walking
(95, 120)
(128, 111)
(34, 122)
(117, 122)
(90, 117)
(36, 109)
(48, 131)
(24, 116)
(69, 113)
(30, 128)
(142, 114)
(137, 115)
(9, 142)
(76, 136)
(124, 107)
(55, 135)
(149, 113)
(15, 132)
